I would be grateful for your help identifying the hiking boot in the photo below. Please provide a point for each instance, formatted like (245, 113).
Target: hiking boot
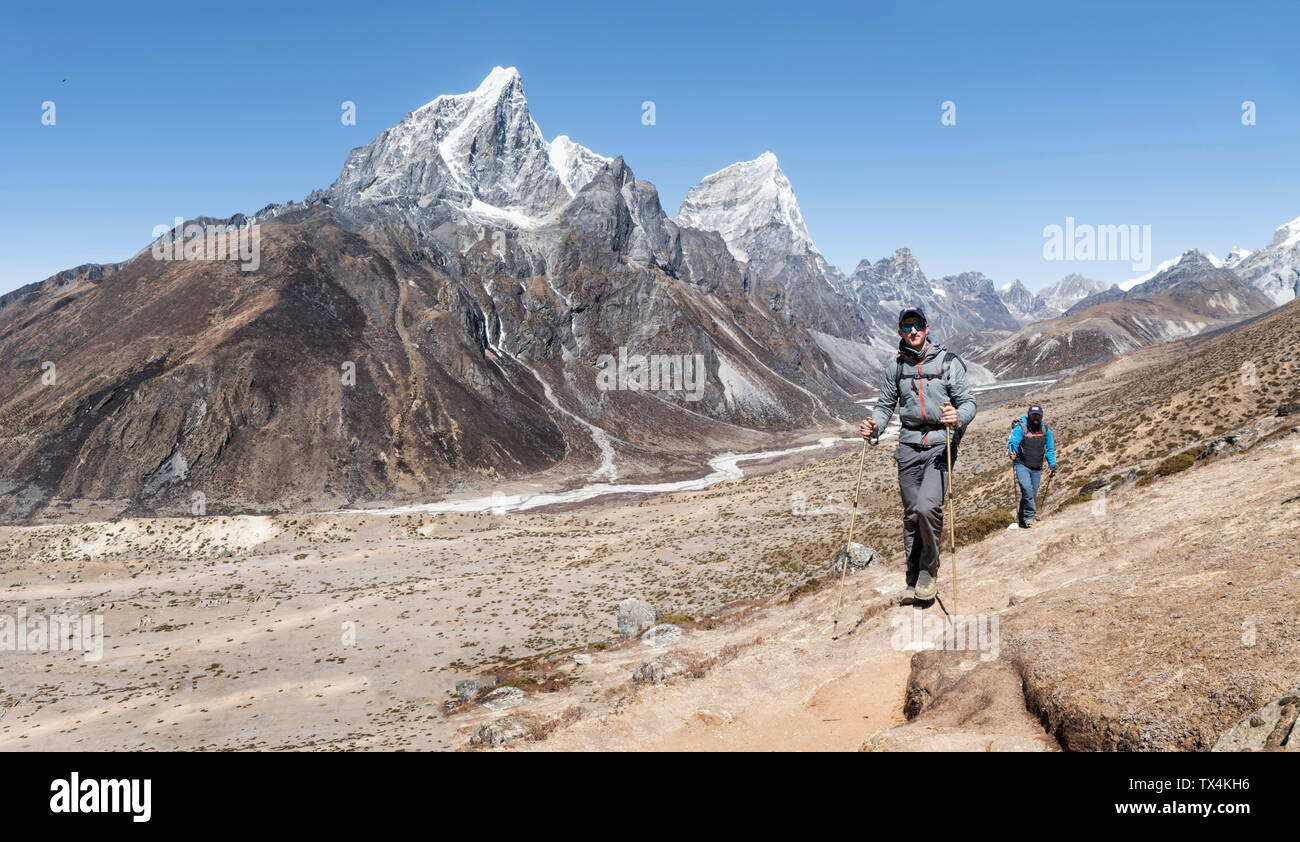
(908, 596)
(926, 587)
(1028, 524)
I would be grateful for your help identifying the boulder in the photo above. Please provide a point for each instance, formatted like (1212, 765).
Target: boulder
(661, 635)
(1096, 486)
(658, 669)
(713, 716)
(497, 732)
(634, 615)
(1223, 444)
(858, 556)
(503, 698)
(469, 688)
(1271, 728)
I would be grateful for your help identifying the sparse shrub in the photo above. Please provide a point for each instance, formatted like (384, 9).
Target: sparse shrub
(809, 586)
(978, 526)
(1174, 464)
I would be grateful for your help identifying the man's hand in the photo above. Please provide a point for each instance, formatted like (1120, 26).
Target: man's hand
(1051, 472)
(949, 416)
(1013, 456)
(867, 428)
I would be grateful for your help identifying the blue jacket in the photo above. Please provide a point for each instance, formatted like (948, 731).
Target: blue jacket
(1018, 433)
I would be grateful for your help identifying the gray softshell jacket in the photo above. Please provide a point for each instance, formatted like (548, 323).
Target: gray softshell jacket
(919, 390)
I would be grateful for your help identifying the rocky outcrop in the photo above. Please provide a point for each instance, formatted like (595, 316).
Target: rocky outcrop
(1271, 728)
(658, 669)
(661, 635)
(503, 698)
(498, 732)
(956, 702)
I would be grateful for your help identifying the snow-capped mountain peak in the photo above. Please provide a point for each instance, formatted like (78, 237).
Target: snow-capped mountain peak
(743, 200)
(1274, 269)
(1236, 256)
(499, 79)
(1132, 282)
(1286, 236)
(1070, 290)
(479, 153)
(574, 163)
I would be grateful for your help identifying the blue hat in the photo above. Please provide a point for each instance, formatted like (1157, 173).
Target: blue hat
(1035, 409)
(911, 311)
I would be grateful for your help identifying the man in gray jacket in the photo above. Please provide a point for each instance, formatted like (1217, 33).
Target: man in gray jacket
(927, 384)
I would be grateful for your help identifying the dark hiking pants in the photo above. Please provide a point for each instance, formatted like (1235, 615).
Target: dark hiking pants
(1028, 479)
(922, 481)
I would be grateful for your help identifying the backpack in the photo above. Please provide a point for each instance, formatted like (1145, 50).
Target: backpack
(945, 366)
(1034, 451)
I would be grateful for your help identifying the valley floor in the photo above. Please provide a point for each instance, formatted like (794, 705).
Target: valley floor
(1123, 626)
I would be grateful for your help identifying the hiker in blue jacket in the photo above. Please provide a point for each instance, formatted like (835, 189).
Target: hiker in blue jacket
(1030, 444)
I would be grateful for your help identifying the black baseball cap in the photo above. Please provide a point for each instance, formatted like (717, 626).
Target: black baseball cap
(1035, 409)
(911, 311)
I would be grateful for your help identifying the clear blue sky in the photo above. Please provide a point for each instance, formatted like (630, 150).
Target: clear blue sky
(1114, 113)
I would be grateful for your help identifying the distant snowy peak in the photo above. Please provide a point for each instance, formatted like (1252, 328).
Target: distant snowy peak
(1286, 236)
(1275, 269)
(574, 163)
(480, 152)
(901, 267)
(1024, 305)
(889, 281)
(1070, 290)
(1168, 264)
(499, 80)
(747, 203)
(1237, 256)
(967, 303)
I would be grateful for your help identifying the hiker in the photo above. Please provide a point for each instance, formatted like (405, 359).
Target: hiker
(1030, 443)
(927, 384)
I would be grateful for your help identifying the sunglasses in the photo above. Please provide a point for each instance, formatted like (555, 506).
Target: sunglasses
(911, 326)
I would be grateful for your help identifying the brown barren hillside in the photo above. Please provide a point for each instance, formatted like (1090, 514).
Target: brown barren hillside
(1189, 298)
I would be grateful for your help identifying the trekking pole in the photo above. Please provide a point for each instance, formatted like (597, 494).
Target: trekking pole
(1043, 496)
(1018, 497)
(952, 528)
(853, 515)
